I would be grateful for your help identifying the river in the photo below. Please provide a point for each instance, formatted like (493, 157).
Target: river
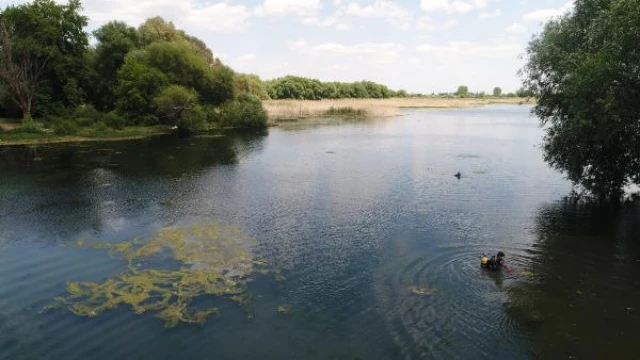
(375, 242)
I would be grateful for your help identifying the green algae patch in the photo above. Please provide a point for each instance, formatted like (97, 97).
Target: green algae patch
(214, 260)
(284, 310)
(421, 291)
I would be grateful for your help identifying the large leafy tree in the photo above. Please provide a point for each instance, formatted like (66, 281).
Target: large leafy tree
(585, 69)
(49, 39)
(115, 40)
(146, 72)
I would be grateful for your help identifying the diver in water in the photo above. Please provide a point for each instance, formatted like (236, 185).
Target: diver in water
(495, 263)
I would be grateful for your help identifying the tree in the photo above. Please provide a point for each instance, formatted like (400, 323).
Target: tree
(584, 70)
(138, 85)
(173, 101)
(251, 84)
(463, 91)
(21, 70)
(115, 40)
(45, 30)
(497, 91)
(157, 29)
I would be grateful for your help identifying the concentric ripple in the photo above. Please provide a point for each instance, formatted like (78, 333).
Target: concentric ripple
(465, 312)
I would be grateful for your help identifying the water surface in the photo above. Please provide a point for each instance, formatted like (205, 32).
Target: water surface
(353, 214)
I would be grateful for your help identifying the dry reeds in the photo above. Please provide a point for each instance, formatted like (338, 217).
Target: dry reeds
(295, 109)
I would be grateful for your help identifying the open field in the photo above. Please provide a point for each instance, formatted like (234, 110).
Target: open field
(295, 109)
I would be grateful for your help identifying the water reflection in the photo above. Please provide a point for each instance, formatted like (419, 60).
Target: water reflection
(67, 189)
(582, 296)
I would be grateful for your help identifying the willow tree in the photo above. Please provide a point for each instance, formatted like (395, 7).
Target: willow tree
(584, 69)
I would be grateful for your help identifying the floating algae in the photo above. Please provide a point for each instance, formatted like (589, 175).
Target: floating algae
(215, 260)
(420, 291)
(284, 310)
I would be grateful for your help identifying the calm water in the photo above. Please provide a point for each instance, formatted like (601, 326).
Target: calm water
(353, 213)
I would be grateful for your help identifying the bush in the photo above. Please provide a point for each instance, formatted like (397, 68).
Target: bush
(192, 121)
(114, 121)
(99, 127)
(212, 113)
(173, 101)
(244, 112)
(65, 127)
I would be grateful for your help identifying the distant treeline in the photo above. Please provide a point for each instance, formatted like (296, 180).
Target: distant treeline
(301, 88)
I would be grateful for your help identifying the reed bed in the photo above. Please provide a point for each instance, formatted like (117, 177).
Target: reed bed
(297, 109)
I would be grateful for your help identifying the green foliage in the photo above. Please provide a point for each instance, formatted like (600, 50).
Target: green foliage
(53, 35)
(146, 72)
(463, 91)
(173, 101)
(294, 87)
(251, 84)
(192, 120)
(497, 91)
(115, 40)
(156, 30)
(65, 127)
(582, 70)
(138, 84)
(244, 112)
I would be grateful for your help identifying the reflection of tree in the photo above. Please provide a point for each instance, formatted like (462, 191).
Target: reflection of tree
(584, 284)
(72, 188)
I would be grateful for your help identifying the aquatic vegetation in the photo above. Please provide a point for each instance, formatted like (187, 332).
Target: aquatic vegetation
(421, 291)
(529, 275)
(214, 260)
(284, 310)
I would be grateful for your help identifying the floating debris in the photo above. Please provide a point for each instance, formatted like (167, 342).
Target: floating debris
(527, 274)
(421, 291)
(215, 260)
(284, 310)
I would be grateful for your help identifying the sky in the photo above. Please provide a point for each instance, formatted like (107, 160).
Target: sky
(419, 45)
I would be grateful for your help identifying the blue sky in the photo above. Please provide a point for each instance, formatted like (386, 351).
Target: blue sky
(418, 45)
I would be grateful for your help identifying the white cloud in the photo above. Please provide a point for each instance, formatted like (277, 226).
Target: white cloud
(377, 53)
(490, 14)
(465, 50)
(344, 27)
(393, 13)
(329, 21)
(425, 23)
(449, 24)
(221, 17)
(516, 28)
(378, 8)
(247, 58)
(453, 6)
(543, 15)
(288, 7)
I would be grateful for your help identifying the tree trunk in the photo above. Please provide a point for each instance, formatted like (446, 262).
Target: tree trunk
(26, 117)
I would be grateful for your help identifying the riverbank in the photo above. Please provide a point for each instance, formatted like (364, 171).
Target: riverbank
(280, 110)
(36, 138)
(277, 110)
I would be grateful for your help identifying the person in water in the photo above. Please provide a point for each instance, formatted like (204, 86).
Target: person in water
(495, 263)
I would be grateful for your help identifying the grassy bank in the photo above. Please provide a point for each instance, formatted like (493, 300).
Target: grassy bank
(297, 109)
(17, 137)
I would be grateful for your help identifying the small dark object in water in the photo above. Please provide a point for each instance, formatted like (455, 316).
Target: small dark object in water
(494, 263)
(458, 175)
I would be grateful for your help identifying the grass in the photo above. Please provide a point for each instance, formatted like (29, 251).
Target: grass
(282, 110)
(17, 137)
(346, 111)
